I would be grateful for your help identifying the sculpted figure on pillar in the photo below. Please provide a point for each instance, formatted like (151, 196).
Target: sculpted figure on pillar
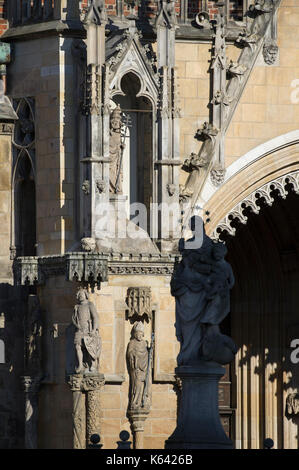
(116, 148)
(201, 286)
(139, 357)
(87, 340)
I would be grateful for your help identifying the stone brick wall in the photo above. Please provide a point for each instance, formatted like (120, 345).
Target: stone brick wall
(3, 22)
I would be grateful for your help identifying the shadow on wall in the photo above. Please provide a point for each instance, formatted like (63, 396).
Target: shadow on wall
(264, 256)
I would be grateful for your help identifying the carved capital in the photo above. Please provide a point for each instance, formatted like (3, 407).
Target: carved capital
(92, 382)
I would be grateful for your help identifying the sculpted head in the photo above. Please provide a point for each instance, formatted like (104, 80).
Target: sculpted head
(138, 331)
(115, 119)
(82, 295)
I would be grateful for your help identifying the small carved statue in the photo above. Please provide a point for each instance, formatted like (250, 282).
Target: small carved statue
(201, 286)
(116, 147)
(87, 340)
(140, 366)
(33, 334)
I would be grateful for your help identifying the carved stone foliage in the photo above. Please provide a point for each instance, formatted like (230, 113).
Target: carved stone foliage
(139, 302)
(85, 383)
(253, 202)
(292, 404)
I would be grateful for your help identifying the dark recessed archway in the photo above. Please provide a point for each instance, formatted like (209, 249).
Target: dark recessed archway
(264, 319)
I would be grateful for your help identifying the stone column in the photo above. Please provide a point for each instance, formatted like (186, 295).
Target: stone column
(92, 384)
(199, 425)
(79, 419)
(31, 388)
(137, 419)
(86, 407)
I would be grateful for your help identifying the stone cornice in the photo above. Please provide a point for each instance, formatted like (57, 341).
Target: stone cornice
(90, 267)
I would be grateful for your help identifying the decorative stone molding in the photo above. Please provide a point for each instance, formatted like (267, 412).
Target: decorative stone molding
(86, 406)
(217, 176)
(27, 271)
(88, 267)
(85, 383)
(253, 202)
(139, 302)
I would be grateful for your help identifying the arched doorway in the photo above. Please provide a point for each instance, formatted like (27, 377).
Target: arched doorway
(257, 213)
(264, 320)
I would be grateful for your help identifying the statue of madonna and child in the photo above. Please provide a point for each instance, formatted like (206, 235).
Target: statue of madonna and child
(201, 286)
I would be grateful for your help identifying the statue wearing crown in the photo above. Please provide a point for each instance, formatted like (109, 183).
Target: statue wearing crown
(116, 147)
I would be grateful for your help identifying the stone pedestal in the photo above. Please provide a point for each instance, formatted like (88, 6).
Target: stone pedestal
(199, 425)
(86, 407)
(137, 418)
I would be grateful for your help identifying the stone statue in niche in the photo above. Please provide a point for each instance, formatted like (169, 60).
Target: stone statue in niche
(139, 359)
(33, 336)
(116, 147)
(87, 339)
(201, 285)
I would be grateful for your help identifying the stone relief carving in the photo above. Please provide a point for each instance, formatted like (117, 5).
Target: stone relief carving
(86, 187)
(201, 285)
(292, 404)
(88, 244)
(33, 337)
(217, 175)
(139, 358)
(253, 202)
(139, 302)
(270, 52)
(171, 188)
(87, 340)
(116, 147)
(100, 186)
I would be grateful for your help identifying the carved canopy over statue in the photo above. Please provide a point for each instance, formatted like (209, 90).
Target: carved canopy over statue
(201, 286)
(87, 340)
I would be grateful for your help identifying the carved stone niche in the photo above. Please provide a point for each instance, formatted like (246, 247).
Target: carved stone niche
(139, 302)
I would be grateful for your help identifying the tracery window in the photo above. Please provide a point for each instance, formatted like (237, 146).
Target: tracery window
(23, 181)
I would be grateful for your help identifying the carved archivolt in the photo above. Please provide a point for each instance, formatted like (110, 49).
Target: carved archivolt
(265, 194)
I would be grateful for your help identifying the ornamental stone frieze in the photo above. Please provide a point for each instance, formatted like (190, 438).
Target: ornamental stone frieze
(81, 267)
(266, 194)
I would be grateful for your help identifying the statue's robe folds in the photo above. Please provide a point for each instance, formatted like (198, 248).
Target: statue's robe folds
(137, 355)
(202, 299)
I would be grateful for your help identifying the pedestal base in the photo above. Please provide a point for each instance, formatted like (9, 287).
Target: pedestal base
(199, 425)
